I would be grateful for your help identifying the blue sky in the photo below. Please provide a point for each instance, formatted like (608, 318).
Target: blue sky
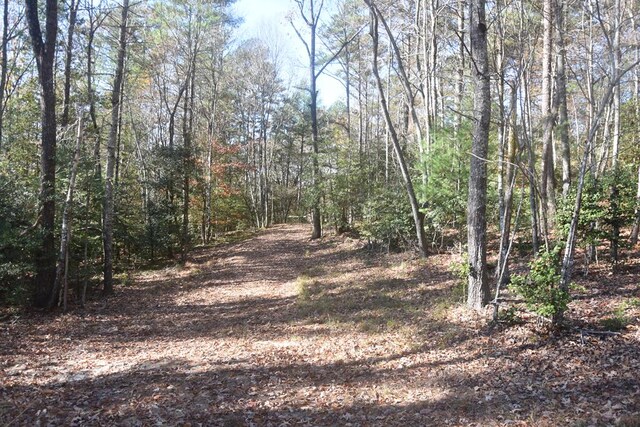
(267, 19)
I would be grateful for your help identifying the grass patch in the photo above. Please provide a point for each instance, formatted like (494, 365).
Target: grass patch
(619, 319)
(367, 309)
(614, 323)
(303, 288)
(123, 278)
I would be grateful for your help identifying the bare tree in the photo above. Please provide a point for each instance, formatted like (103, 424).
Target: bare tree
(65, 229)
(418, 217)
(310, 13)
(4, 62)
(562, 126)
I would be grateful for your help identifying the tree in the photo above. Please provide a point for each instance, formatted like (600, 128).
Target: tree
(116, 94)
(73, 14)
(547, 185)
(311, 19)
(418, 217)
(478, 292)
(310, 12)
(5, 62)
(44, 51)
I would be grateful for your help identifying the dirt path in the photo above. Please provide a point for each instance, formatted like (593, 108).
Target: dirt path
(280, 330)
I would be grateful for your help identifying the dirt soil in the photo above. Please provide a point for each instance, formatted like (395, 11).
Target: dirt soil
(279, 330)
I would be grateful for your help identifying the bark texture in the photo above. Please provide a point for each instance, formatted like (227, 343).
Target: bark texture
(111, 154)
(478, 295)
(44, 52)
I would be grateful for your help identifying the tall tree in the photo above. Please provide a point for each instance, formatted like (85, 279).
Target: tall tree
(310, 12)
(4, 62)
(73, 14)
(547, 187)
(561, 97)
(44, 46)
(418, 217)
(111, 153)
(478, 293)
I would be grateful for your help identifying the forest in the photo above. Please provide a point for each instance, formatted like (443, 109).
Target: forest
(466, 212)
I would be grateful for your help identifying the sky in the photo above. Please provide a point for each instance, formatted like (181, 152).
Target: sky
(267, 20)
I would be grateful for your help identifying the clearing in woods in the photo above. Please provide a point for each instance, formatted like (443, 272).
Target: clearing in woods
(280, 330)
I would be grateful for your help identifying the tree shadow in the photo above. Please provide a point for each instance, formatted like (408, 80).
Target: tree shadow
(487, 388)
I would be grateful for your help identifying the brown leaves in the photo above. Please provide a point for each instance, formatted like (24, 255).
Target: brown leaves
(377, 341)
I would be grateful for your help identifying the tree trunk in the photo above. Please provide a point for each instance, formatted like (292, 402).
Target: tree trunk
(65, 232)
(502, 271)
(562, 126)
(478, 293)
(547, 186)
(44, 51)
(614, 194)
(418, 217)
(111, 153)
(4, 64)
(73, 12)
(189, 101)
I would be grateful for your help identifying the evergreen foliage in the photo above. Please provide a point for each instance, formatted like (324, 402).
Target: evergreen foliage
(540, 288)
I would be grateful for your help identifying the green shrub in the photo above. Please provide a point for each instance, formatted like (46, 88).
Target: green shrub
(447, 187)
(600, 213)
(387, 219)
(541, 287)
(460, 269)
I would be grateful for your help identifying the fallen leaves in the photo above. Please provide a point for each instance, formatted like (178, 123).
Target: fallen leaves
(376, 341)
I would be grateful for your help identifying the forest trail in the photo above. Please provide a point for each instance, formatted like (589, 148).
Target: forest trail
(281, 330)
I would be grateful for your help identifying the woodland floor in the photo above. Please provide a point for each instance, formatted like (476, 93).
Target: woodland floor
(279, 330)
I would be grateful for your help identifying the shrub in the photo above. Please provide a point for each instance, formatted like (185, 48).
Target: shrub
(387, 219)
(540, 288)
(608, 203)
(460, 269)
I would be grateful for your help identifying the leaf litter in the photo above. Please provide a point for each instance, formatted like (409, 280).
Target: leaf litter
(279, 330)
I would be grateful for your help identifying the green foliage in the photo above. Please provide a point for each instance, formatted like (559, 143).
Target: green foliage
(447, 186)
(16, 247)
(600, 207)
(509, 316)
(387, 219)
(541, 287)
(614, 323)
(460, 269)
(619, 318)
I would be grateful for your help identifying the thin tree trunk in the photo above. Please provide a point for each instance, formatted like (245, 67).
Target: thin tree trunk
(535, 222)
(111, 153)
(73, 12)
(562, 127)
(4, 64)
(418, 217)
(189, 101)
(478, 292)
(67, 214)
(547, 185)
(614, 194)
(502, 271)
